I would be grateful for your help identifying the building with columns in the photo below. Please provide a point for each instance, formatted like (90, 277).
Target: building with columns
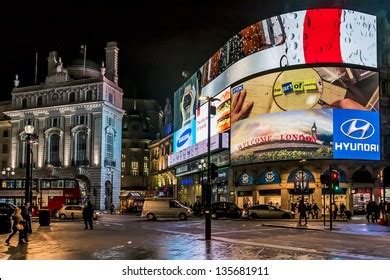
(77, 115)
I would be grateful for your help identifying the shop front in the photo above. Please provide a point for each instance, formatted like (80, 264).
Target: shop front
(131, 201)
(245, 196)
(269, 185)
(220, 186)
(303, 183)
(189, 190)
(360, 198)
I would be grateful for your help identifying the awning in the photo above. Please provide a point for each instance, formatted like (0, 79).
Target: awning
(132, 195)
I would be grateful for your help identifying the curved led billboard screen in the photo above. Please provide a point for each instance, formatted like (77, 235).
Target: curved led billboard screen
(324, 107)
(302, 37)
(311, 113)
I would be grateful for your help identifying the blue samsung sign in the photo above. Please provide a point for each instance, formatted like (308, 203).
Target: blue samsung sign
(184, 137)
(356, 134)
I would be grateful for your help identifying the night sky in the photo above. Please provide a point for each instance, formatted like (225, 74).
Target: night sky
(157, 39)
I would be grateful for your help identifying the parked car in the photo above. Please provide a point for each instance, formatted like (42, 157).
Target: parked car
(75, 212)
(7, 209)
(164, 208)
(226, 209)
(264, 211)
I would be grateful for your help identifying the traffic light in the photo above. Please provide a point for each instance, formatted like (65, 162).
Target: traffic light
(334, 177)
(386, 176)
(213, 171)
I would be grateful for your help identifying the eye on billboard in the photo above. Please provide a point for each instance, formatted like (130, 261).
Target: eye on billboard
(185, 103)
(302, 37)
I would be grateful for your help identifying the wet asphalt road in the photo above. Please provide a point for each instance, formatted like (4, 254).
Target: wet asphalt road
(129, 237)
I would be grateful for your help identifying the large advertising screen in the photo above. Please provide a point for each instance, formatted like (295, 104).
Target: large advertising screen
(218, 123)
(185, 103)
(311, 113)
(303, 37)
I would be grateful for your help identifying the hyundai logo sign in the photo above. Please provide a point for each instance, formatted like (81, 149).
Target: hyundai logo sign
(357, 129)
(183, 138)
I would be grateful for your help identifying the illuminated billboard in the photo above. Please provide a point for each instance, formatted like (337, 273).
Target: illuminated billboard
(312, 113)
(185, 103)
(184, 137)
(309, 134)
(220, 122)
(298, 38)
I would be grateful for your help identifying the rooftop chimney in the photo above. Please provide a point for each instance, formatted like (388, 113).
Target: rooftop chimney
(112, 61)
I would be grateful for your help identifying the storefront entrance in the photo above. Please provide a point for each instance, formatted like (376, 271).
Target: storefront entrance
(360, 198)
(244, 199)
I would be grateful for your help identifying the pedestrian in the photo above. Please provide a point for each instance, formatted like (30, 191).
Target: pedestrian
(309, 211)
(302, 212)
(112, 209)
(375, 212)
(18, 226)
(369, 210)
(335, 210)
(315, 210)
(26, 214)
(88, 215)
(343, 208)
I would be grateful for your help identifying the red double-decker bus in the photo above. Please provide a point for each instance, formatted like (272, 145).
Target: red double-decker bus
(49, 194)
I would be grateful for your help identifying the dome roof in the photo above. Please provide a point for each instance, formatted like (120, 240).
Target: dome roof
(88, 63)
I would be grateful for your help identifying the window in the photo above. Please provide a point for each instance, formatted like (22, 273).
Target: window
(123, 165)
(146, 158)
(24, 103)
(81, 148)
(72, 97)
(82, 120)
(111, 121)
(89, 95)
(134, 172)
(54, 122)
(5, 148)
(109, 148)
(5, 134)
(134, 127)
(40, 101)
(54, 150)
(123, 156)
(110, 98)
(134, 165)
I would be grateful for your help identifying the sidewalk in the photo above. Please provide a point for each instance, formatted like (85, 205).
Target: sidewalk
(354, 226)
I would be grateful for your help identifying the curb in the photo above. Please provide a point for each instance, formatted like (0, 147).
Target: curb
(298, 227)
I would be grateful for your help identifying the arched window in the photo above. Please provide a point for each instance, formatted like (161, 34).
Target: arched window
(81, 148)
(53, 153)
(24, 103)
(72, 97)
(109, 149)
(40, 101)
(89, 95)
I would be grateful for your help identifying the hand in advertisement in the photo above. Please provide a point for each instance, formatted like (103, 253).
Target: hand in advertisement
(347, 103)
(239, 109)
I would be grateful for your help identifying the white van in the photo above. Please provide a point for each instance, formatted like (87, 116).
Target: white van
(164, 208)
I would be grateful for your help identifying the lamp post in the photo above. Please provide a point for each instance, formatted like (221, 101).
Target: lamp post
(29, 138)
(207, 209)
(8, 171)
(202, 167)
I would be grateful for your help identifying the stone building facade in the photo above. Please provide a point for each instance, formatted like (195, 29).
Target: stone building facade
(77, 114)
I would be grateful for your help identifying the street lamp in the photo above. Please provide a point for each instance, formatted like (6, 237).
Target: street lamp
(202, 167)
(29, 138)
(207, 209)
(8, 171)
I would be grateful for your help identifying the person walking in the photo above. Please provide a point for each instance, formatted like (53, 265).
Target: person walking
(88, 215)
(316, 209)
(335, 210)
(375, 212)
(343, 208)
(369, 210)
(18, 226)
(309, 211)
(26, 214)
(112, 209)
(302, 212)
